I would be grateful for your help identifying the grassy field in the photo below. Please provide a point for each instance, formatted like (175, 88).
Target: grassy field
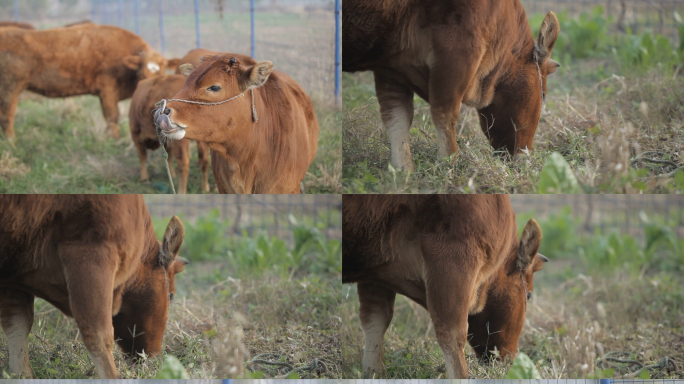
(614, 116)
(62, 148)
(230, 307)
(599, 295)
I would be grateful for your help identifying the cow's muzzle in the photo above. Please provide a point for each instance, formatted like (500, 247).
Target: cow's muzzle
(166, 126)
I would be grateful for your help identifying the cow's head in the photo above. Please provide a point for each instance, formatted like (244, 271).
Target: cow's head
(217, 78)
(140, 323)
(499, 324)
(511, 119)
(146, 64)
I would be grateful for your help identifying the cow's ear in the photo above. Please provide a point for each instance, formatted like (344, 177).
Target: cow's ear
(548, 33)
(173, 238)
(529, 244)
(550, 66)
(133, 62)
(257, 75)
(186, 69)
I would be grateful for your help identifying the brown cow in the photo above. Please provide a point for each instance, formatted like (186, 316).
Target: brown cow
(16, 25)
(262, 140)
(97, 259)
(451, 52)
(457, 256)
(144, 132)
(105, 61)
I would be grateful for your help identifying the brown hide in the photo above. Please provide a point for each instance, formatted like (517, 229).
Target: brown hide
(270, 155)
(451, 52)
(16, 25)
(94, 257)
(144, 132)
(457, 256)
(85, 59)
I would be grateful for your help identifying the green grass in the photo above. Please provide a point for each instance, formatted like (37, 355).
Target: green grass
(226, 310)
(61, 148)
(605, 112)
(585, 305)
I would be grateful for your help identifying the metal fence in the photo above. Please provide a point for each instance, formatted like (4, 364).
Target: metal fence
(624, 213)
(637, 15)
(298, 36)
(254, 213)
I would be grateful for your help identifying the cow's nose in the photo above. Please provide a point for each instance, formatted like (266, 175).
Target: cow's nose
(167, 111)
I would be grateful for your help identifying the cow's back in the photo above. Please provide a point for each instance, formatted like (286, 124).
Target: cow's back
(32, 228)
(383, 234)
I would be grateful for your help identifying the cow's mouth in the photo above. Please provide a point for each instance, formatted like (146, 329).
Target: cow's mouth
(170, 129)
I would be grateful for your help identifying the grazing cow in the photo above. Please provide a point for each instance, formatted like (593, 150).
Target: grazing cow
(451, 52)
(16, 25)
(97, 259)
(262, 136)
(457, 256)
(144, 132)
(105, 61)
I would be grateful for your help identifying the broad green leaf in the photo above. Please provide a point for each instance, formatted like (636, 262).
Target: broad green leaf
(557, 176)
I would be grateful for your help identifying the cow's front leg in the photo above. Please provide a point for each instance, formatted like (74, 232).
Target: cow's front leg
(16, 317)
(91, 285)
(110, 109)
(450, 287)
(9, 100)
(203, 158)
(396, 108)
(375, 311)
(181, 151)
(451, 76)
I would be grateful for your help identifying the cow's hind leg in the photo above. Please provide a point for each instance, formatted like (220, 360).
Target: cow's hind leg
(375, 311)
(396, 108)
(203, 158)
(91, 287)
(16, 317)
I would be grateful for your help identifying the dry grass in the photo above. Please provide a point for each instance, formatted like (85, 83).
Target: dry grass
(571, 324)
(601, 123)
(216, 325)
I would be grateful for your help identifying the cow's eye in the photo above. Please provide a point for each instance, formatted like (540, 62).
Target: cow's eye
(170, 296)
(529, 295)
(214, 88)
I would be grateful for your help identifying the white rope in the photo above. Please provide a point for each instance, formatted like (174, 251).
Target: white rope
(163, 102)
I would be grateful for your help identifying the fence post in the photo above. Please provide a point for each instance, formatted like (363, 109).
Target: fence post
(251, 12)
(104, 12)
(137, 18)
(197, 24)
(161, 27)
(338, 51)
(16, 11)
(118, 13)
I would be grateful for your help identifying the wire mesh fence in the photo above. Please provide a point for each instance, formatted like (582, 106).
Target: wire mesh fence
(298, 36)
(274, 214)
(624, 213)
(637, 15)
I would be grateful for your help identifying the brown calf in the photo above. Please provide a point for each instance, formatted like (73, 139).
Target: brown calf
(144, 132)
(457, 256)
(16, 25)
(97, 259)
(86, 59)
(263, 140)
(451, 52)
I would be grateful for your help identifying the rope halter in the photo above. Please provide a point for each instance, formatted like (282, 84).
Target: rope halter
(162, 103)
